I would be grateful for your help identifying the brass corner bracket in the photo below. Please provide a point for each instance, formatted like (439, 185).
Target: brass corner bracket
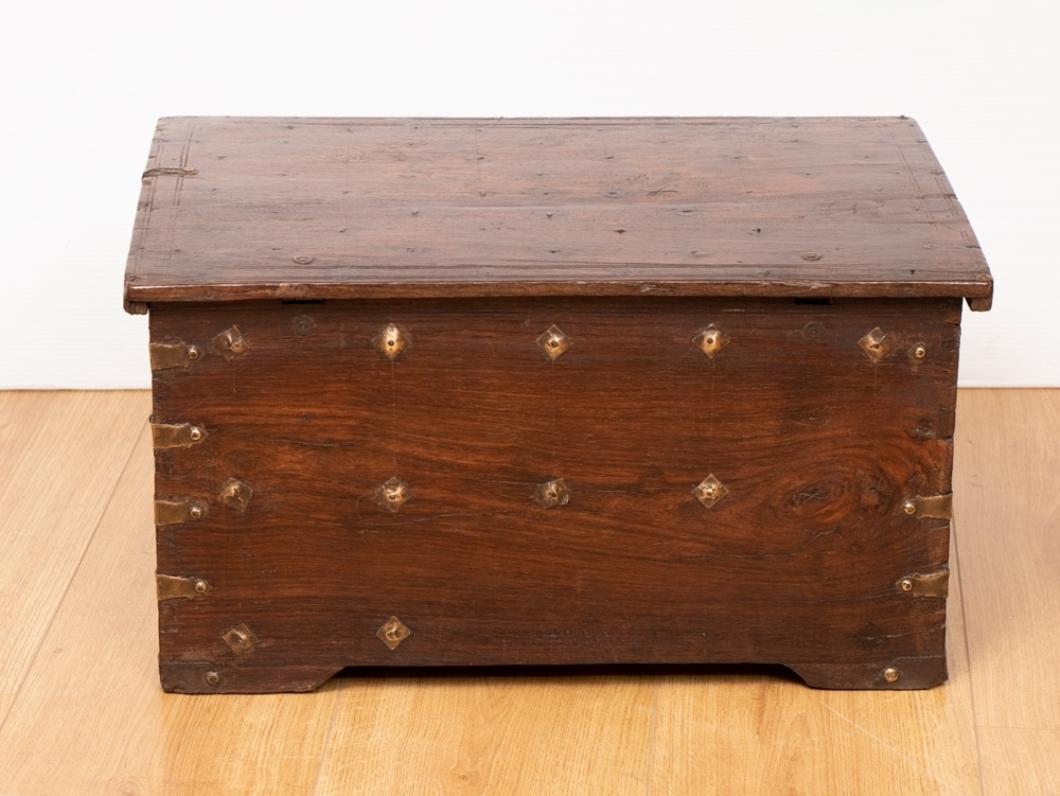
(176, 435)
(175, 587)
(931, 584)
(939, 507)
(165, 356)
(175, 512)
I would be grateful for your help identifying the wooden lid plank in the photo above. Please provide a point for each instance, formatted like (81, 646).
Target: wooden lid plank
(313, 208)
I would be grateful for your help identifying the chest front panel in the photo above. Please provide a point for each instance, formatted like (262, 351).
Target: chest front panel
(551, 480)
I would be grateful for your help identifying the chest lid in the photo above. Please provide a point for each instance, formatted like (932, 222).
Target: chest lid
(329, 208)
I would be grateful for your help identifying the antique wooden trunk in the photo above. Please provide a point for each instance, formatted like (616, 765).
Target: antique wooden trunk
(488, 392)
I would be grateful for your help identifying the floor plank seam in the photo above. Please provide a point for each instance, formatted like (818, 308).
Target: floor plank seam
(968, 657)
(325, 746)
(73, 576)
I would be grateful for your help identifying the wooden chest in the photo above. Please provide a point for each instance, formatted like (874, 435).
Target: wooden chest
(470, 392)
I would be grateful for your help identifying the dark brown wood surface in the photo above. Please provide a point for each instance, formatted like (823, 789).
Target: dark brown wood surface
(798, 564)
(252, 208)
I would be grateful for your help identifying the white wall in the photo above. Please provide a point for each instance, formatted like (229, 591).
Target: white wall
(81, 84)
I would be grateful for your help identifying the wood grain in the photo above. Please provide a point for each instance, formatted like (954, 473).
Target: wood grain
(52, 505)
(89, 716)
(241, 208)
(1020, 760)
(818, 446)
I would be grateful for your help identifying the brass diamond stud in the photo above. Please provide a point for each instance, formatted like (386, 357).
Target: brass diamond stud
(236, 494)
(554, 342)
(710, 490)
(240, 639)
(711, 340)
(552, 493)
(390, 341)
(392, 494)
(876, 345)
(392, 632)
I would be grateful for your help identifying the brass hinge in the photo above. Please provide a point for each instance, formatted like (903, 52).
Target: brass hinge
(174, 512)
(176, 435)
(165, 356)
(932, 584)
(174, 587)
(939, 507)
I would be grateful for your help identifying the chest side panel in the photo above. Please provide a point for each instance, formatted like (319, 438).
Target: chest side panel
(688, 480)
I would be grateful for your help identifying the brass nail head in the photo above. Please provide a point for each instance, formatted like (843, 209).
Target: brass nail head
(201, 586)
(711, 340)
(392, 632)
(240, 639)
(710, 490)
(236, 494)
(390, 341)
(920, 351)
(195, 434)
(909, 507)
(905, 584)
(193, 352)
(876, 344)
(230, 343)
(891, 675)
(195, 512)
(552, 493)
(392, 494)
(212, 678)
(554, 342)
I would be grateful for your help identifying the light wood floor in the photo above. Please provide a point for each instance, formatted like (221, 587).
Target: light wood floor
(82, 712)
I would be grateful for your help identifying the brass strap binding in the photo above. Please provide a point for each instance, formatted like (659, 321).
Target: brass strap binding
(179, 354)
(931, 584)
(939, 507)
(176, 435)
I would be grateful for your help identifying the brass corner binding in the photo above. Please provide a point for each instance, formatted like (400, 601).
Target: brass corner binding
(931, 584)
(176, 587)
(176, 435)
(165, 356)
(175, 512)
(938, 507)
